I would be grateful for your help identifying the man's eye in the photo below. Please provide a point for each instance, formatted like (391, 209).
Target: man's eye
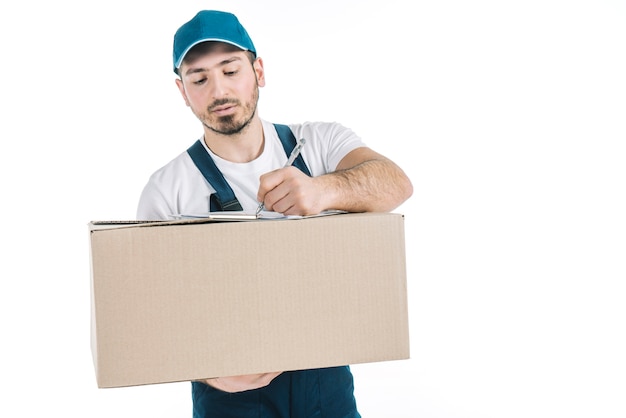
(230, 73)
(199, 81)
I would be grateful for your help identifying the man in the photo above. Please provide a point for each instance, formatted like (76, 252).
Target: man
(219, 79)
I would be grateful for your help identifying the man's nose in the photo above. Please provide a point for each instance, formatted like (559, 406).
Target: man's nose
(218, 88)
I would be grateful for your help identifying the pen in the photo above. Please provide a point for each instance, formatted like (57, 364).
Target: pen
(292, 157)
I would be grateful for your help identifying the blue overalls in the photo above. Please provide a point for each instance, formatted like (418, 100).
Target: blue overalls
(314, 393)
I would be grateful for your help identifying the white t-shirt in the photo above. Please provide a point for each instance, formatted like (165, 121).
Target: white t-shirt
(180, 188)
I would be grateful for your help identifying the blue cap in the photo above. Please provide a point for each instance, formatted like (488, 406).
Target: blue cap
(210, 25)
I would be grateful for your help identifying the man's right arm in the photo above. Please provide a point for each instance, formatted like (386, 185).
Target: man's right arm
(152, 204)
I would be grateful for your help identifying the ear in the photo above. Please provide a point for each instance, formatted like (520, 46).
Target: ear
(259, 71)
(181, 88)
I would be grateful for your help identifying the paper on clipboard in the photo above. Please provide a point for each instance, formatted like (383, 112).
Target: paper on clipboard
(248, 216)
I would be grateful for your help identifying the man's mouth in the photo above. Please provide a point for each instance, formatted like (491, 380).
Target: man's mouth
(222, 106)
(223, 109)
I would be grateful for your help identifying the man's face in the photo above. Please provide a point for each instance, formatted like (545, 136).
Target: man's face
(222, 87)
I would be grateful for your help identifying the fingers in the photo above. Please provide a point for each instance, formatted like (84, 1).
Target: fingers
(234, 384)
(268, 182)
(285, 190)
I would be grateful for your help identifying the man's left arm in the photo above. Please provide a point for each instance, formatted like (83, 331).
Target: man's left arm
(364, 181)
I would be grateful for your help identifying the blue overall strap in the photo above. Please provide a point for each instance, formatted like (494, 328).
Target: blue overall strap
(224, 198)
(289, 143)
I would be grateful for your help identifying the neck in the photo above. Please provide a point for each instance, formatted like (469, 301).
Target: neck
(242, 147)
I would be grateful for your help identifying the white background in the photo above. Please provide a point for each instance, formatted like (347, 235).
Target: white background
(509, 117)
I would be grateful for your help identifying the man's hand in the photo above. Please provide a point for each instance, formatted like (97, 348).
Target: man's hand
(242, 383)
(291, 192)
(364, 181)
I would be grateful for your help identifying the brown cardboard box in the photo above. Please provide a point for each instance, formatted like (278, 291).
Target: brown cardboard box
(189, 300)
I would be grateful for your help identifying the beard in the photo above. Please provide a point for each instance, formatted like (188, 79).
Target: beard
(231, 124)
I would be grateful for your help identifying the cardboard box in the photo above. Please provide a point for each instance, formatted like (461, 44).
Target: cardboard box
(188, 300)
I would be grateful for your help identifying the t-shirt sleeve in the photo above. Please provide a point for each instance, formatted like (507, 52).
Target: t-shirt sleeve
(327, 144)
(153, 205)
(161, 196)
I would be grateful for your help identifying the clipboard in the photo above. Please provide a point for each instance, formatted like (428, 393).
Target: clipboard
(249, 216)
